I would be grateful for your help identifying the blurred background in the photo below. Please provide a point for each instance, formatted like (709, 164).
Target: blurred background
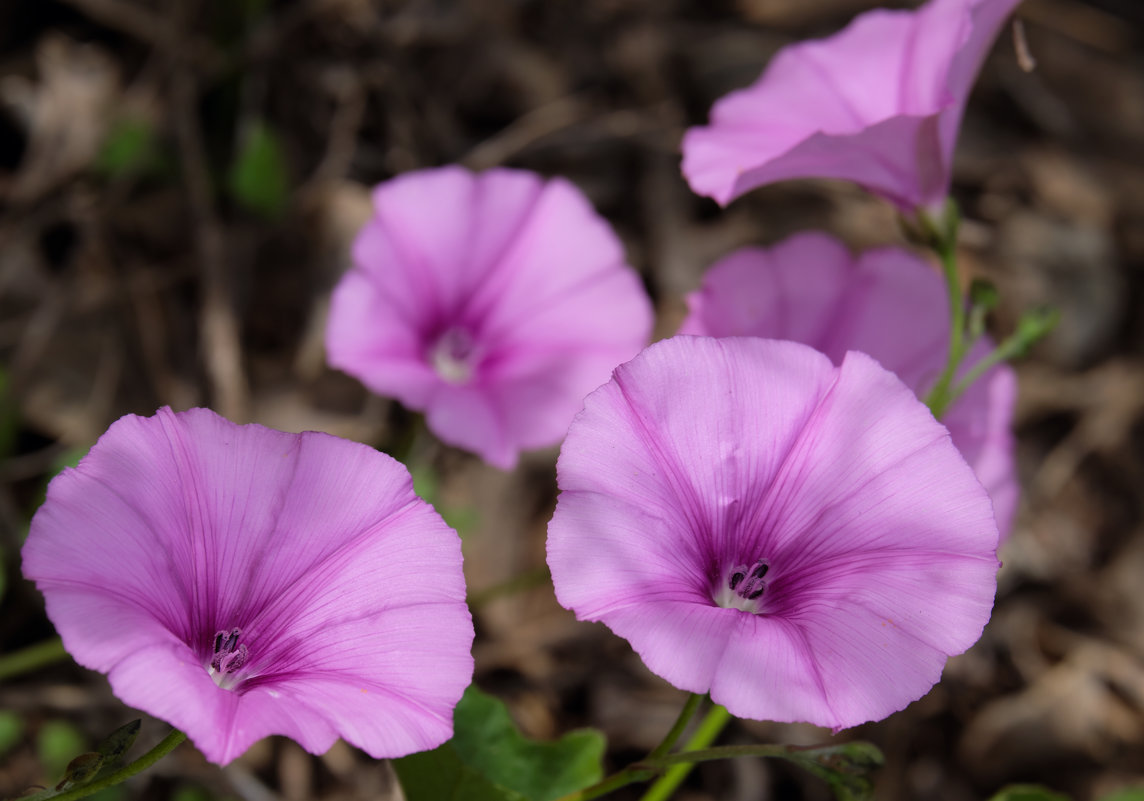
(179, 184)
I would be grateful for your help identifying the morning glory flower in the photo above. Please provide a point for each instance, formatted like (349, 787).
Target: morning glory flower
(801, 540)
(878, 103)
(493, 302)
(885, 302)
(239, 582)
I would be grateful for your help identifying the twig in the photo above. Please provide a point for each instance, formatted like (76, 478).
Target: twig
(222, 350)
(147, 26)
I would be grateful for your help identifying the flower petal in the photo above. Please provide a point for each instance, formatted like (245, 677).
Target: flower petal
(878, 103)
(316, 549)
(521, 272)
(701, 455)
(888, 303)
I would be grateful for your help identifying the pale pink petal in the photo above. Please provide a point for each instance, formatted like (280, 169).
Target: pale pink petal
(703, 460)
(180, 526)
(493, 302)
(878, 103)
(888, 303)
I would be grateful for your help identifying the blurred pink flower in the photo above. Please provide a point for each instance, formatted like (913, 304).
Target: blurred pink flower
(878, 103)
(798, 539)
(493, 302)
(239, 582)
(886, 302)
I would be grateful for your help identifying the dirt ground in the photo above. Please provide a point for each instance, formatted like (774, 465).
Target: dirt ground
(179, 183)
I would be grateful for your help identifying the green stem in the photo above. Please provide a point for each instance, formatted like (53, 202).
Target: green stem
(940, 397)
(34, 656)
(632, 774)
(714, 723)
(688, 758)
(164, 747)
(685, 715)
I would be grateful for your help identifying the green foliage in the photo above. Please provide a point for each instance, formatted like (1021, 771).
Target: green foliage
(57, 743)
(846, 768)
(1130, 794)
(1028, 792)
(488, 759)
(11, 730)
(116, 745)
(257, 180)
(131, 148)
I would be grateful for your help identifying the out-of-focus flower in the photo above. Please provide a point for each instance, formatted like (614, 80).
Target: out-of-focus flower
(878, 103)
(887, 303)
(801, 540)
(239, 582)
(493, 302)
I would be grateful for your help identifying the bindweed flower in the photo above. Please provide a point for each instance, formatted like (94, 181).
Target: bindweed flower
(239, 582)
(887, 303)
(878, 103)
(801, 540)
(493, 302)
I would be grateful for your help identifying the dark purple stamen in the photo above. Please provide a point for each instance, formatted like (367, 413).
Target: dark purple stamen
(228, 656)
(749, 583)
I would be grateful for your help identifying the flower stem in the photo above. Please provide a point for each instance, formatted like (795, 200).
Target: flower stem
(941, 395)
(714, 723)
(631, 774)
(677, 728)
(164, 747)
(32, 657)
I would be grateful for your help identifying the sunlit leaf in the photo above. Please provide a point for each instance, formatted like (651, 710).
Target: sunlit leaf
(57, 743)
(11, 730)
(1028, 792)
(488, 758)
(1130, 794)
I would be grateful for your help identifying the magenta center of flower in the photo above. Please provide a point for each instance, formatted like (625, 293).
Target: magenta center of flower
(228, 658)
(743, 587)
(454, 355)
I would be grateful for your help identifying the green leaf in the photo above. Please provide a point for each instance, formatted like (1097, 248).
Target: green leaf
(1130, 794)
(488, 758)
(440, 775)
(115, 745)
(131, 148)
(11, 730)
(1028, 792)
(57, 743)
(81, 770)
(257, 179)
(487, 739)
(846, 767)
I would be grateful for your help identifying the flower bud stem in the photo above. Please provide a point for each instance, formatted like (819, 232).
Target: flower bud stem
(32, 658)
(164, 747)
(941, 395)
(681, 763)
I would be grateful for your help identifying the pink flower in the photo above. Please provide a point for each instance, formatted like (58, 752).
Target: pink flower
(887, 303)
(878, 103)
(239, 582)
(798, 539)
(492, 302)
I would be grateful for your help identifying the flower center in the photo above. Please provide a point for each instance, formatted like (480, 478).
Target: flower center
(743, 587)
(454, 355)
(228, 659)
